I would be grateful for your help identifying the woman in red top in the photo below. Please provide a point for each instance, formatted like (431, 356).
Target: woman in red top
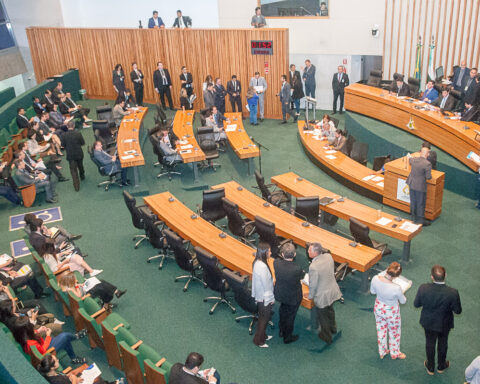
(27, 337)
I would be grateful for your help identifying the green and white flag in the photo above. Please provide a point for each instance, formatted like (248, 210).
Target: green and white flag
(431, 70)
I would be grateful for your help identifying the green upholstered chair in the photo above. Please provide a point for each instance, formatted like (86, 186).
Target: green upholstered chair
(112, 336)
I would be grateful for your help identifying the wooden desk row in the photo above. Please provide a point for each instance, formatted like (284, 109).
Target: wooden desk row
(382, 188)
(449, 135)
(299, 187)
(230, 252)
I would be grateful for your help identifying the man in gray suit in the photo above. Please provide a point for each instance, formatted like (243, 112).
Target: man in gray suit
(23, 177)
(285, 99)
(417, 181)
(323, 289)
(260, 85)
(209, 96)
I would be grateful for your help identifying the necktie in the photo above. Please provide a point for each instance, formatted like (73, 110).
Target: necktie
(339, 75)
(468, 83)
(442, 104)
(257, 82)
(460, 75)
(164, 78)
(235, 86)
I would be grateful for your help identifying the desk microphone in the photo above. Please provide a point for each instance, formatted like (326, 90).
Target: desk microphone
(140, 24)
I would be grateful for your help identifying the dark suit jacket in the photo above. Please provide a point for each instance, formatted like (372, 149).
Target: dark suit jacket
(189, 80)
(151, 22)
(309, 76)
(209, 98)
(339, 86)
(55, 93)
(134, 76)
(470, 93)
(118, 81)
(22, 122)
(290, 78)
(219, 119)
(285, 93)
(36, 241)
(419, 174)
(230, 89)
(456, 73)
(472, 114)
(179, 376)
(187, 22)
(63, 108)
(158, 80)
(288, 289)
(404, 91)
(38, 108)
(220, 94)
(439, 302)
(73, 141)
(46, 101)
(449, 104)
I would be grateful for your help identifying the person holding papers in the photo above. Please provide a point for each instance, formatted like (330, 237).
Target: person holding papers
(260, 85)
(387, 311)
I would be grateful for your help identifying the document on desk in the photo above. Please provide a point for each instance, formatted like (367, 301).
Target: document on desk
(369, 177)
(130, 152)
(188, 146)
(127, 157)
(317, 138)
(377, 178)
(128, 141)
(90, 374)
(185, 151)
(473, 156)
(331, 151)
(380, 184)
(182, 142)
(331, 157)
(409, 226)
(127, 120)
(383, 221)
(231, 128)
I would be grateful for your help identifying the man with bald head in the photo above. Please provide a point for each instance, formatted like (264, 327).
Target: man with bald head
(460, 76)
(421, 171)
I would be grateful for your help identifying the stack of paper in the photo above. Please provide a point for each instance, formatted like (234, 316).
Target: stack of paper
(383, 221)
(403, 282)
(127, 157)
(409, 226)
(369, 177)
(331, 151)
(331, 157)
(188, 146)
(90, 374)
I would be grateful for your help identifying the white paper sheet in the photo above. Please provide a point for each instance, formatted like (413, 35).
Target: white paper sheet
(331, 151)
(128, 141)
(90, 374)
(377, 178)
(331, 157)
(258, 88)
(402, 281)
(188, 146)
(231, 128)
(383, 221)
(409, 226)
(181, 142)
(369, 177)
(127, 157)
(380, 184)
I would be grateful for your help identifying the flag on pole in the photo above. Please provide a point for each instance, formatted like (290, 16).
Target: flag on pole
(431, 70)
(418, 60)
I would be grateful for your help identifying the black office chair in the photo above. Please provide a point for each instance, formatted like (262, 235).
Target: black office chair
(168, 166)
(137, 219)
(243, 297)
(237, 225)
(212, 206)
(307, 208)
(375, 78)
(105, 112)
(206, 141)
(266, 234)
(102, 132)
(335, 121)
(113, 179)
(379, 161)
(203, 116)
(359, 152)
(457, 95)
(360, 233)
(160, 117)
(213, 276)
(414, 85)
(184, 258)
(154, 228)
(273, 197)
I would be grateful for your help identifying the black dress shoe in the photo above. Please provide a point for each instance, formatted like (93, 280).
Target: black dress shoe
(441, 370)
(341, 112)
(261, 119)
(52, 201)
(63, 179)
(82, 177)
(75, 237)
(120, 293)
(284, 122)
(290, 339)
(334, 112)
(427, 223)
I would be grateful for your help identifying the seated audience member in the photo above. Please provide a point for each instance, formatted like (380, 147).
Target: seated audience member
(38, 107)
(155, 21)
(47, 129)
(119, 111)
(35, 168)
(55, 119)
(209, 95)
(430, 94)
(190, 372)
(340, 143)
(258, 20)
(6, 189)
(169, 151)
(472, 373)
(60, 235)
(56, 92)
(47, 98)
(22, 120)
(50, 365)
(445, 101)
(65, 109)
(97, 288)
(24, 306)
(27, 336)
(17, 274)
(215, 120)
(50, 136)
(186, 102)
(111, 164)
(182, 21)
(328, 128)
(82, 111)
(399, 87)
(471, 112)
(23, 177)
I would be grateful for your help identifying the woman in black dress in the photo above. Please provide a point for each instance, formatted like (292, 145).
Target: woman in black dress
(118, 79)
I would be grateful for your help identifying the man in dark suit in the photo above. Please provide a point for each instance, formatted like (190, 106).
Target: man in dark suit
(47, 98)
(420, 172)
(23, 177)
(285, 98)
(399, 87)
(56, 92)
(339, 82)
(186, 79)
(190, 372)
(309, 78)
(209, 96)
(22, 120)
(111, 164)
(81, 110)
(220, 93)
(288, 291)
(471, 113)
(471, 87)
(234, 89)
(137, 79)
(37, 106)
(445, 101)
(155, 22)
(182, 21)
(460, 76)
(72, 141)
(163, 84)
(439, 302)
(292, 74)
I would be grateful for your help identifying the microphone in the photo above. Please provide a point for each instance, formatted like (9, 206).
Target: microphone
(140, 24)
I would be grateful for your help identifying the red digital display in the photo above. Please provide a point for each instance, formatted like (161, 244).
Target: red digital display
(262, 44)
(261, 47)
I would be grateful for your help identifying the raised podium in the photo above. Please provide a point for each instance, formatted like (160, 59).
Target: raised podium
(396, 192)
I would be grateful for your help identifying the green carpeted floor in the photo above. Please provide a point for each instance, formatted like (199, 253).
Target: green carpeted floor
(176, 323)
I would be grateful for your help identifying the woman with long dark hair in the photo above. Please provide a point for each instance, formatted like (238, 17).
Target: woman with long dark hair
(118, 79)
(262, 291)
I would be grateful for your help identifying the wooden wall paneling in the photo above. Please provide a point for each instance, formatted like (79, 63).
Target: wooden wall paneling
(437, 38)
(220, 53)
(426, 41)
(460, 43)
(476, 39)
(430, 41)
(447, 69)
(392, 9)
(454, 42)
(413, 42)
(384, 37)
(406, 48)
(399, 27)
(467, 28)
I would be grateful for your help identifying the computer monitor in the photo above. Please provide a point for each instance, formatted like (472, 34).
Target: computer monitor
(439, 73)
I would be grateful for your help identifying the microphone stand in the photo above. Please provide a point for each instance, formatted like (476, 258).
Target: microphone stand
(260, 146)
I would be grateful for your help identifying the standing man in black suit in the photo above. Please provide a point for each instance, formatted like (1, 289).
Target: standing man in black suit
(137, 79)
(73, 141)
(439, 302)
(470, 90)
(288, 291)
(163, 84)
(421, 171)
(291, 79)
(285, 98)
(186, 79)
(220, 94)
(339, 82)
(460, 76)
(234, 89)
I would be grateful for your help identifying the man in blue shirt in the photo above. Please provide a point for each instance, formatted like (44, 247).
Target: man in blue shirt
(155, 21)
(430, 93)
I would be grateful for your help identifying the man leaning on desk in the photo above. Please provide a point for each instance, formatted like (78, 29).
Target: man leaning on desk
(155, 21)
(445, 101)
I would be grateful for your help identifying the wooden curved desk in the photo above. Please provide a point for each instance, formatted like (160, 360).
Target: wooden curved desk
(230, 252)
(128, 139)
(449, 135)
(361, 258)
(183, 128)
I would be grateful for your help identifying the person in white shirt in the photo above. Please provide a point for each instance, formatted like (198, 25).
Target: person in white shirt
(260, 85)
(328, 128)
